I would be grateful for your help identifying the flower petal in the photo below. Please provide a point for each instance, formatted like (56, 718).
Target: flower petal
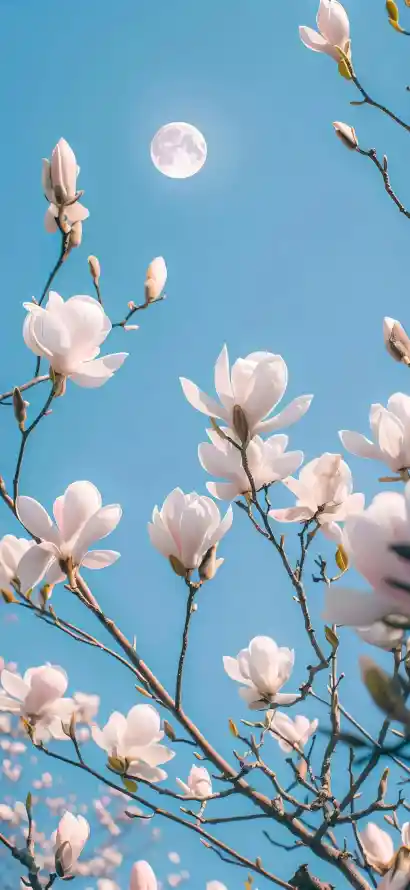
(36, 519)
(34, 565)
(201, 401)
(291, 414)
(98, 526)
(99, 559)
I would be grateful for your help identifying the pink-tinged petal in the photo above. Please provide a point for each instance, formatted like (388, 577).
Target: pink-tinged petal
(64, 168)
(223, 491)
(223, 527)
(143, 726)
(161, 539)
(355, 609)
(14, 685)
(55, 303)
(291, 514)
(331, 529)
(152, 754)
(390, 434)
(81, 501)
(95, 373)
(46, 180)
(313, 40)
(99, 559)
(36, 519)
(98, 526)
(54, 575)
(50, 221)
(76, 212)
(252, 697)
(286, 698)
(333, 22)
(359, 445)
(201, 401)
(290, 415)
(285, 464)
(34, 565)
(142, 877)
(223, 380)
(231, 667)
(217, 462)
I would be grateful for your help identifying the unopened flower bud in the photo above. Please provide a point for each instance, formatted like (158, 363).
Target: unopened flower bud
(346, 134)
(76, 234)
(155, 279)
(381, 793)
(19, 406)
(95, 268)
(396, 340)
(384, 690)
(131, 305)
(209, 565)
(392, 11)
(169, 731)
(240, 425)
(131, 327)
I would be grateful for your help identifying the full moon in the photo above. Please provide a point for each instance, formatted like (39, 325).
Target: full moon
(178, 150)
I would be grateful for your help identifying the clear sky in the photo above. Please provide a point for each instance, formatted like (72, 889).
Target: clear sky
(284, 242)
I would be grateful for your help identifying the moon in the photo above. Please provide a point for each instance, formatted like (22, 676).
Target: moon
(178, 150)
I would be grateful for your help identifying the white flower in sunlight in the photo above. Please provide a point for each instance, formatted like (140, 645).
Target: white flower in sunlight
(38, 698)
(391, 433)
(268, 462)
(187, 526)
(142, 876)
(69, 335)
(199, 783)
(291, 735)
(378, 846)
(333, 30)
(263, 668)
(215, 885)
(72, 832)
(381, 635)
(368, 538)
(59, 179)
(81, 520)
(133, 742)
(255, 384)
(155, 279)
(86, 706)
(11, 551)
(324, 492)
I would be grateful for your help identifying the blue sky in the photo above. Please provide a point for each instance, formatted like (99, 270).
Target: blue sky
(284, 242)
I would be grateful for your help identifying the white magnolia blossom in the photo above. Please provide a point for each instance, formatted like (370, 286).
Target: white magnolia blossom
(38, 698)
(69, 335)
(86, 706)
(142, 876)
(199, 783)
(187, 526)
(391, 433)
(267, 460)
(323, 491)
(333, 30)
(134, 741)
(291, 735)
(156, 278)
(381, 635)
(73, 831)
(398, 877)
(12, 550)
(256, 384)
(263, 668)
(215, 885)
(59, 179)
(368, 538)
(81, 520)
(378, 846)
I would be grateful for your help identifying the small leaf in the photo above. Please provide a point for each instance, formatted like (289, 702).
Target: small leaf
(344, 70)
(130, 785)
(7, 596)
(177, 566)
(331, 637)
(29, 800)
(233, 728)
(198, 756)
(392, 11)
(143, 691)
(117, 764)
(342, 559)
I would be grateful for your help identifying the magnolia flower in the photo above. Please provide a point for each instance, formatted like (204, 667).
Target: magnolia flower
(324, 492)
(391, 433)
(346, 134)
(11, 551)
(142, 876)
(74, 832)
(215, 885)
(59, 178)
(155, 279)
(396, 340)
(133, 742)
(333, 30)
(199, 783)
(187, 526)
(38, 698)
(80, 522)
(263, 668)
(378, 846)
(69, 335)
(398, 877)
(381, 635)
(368, 538)
(255, 384)
(291, 734)
(86, 706)
(267, 463)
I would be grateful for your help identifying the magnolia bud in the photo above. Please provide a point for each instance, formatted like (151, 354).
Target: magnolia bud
(95, 268)
(209, 565)
(396, 340)
(392, 11)
(346, 134)
(142, 877)
(240, 425)
(384, 690)
(155, 279)
(19, 406)
(169, 731)
(381, 793)
(60, 385)
(76, 234)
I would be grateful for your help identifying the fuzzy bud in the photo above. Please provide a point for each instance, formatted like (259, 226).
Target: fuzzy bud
(396, 340)
(209, 565)
(76, 235)
(240, 425)
(95, 268)
(346, 134)
(19, 406)
(384, 690)
(177, 566)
